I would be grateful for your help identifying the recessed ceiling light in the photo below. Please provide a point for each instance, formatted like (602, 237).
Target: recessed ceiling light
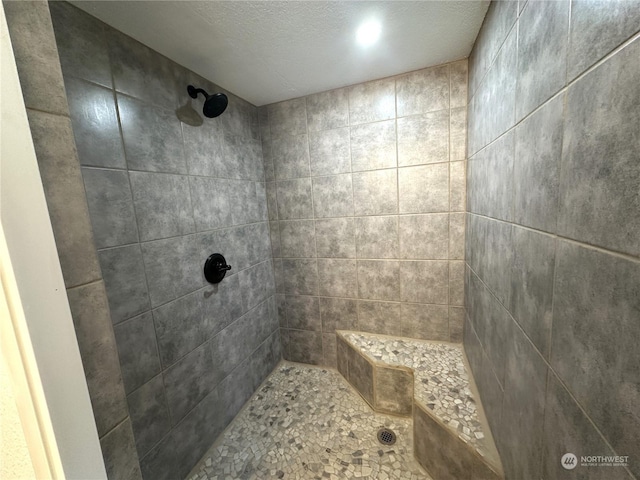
(368, 33)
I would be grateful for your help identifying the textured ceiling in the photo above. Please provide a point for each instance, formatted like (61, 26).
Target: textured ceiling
(269, 51)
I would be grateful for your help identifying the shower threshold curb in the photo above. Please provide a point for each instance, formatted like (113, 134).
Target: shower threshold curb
(391, 388)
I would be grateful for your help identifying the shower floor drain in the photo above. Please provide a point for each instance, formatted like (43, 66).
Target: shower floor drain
(386, 436)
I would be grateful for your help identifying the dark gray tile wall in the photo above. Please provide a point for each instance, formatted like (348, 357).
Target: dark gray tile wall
(43, 88)
(553, 233)
(182, 355)
(366, 201)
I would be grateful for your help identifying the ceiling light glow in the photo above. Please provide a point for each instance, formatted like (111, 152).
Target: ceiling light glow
(368, 33)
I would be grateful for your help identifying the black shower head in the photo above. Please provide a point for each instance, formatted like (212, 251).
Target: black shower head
(214, 104)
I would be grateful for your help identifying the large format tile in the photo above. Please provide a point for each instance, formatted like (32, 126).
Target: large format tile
(423, 139)
(142, 73)
(595, 327)
(379, 317)
(305, 347)
(372, 101)
(210, 201)
(542, 53)
(496, 263)
(459, 74)
(458, 134)
(87, 59)
(329, 152)
(149, 414)
(303, 313)
(428, 322)
(297, 238)
(222, 304)
(599, 175)
(119, 453)
(597, 28)
(524, 384)
(99, 355)
(95, 124)
(125, 281)
(179, 327)
(290, 156)
(338, 314)
(288, 117)
(457, 233)
(295, 199)
(328, 110)
(335, 237)
(377, 237)
(536, 169)
(137, 351)
(379, 279)
(373, 146)
(375, 193)
(173, 268)
(490, 179)
(424, 189)
(423, 91)
(36, 56)
(424, 237)
(248, 201)
(568, 430)
(257, 283)
(532, 285)
(152, 137)
(424, 281)
(337, 277)
(333, 196)
(204, 151)
(64, 191)
(110, 207)
(163, 205)
(300, 276)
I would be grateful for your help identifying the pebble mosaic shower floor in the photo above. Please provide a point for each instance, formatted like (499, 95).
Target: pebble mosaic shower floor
(308, 423)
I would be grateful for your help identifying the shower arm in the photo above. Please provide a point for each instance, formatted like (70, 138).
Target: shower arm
(193, 92)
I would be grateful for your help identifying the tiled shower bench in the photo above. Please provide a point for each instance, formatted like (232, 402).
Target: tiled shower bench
(429, 381)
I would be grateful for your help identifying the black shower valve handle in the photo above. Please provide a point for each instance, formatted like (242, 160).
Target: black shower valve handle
(215, 268)
(224, 267)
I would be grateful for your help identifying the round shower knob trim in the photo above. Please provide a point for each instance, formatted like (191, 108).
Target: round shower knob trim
(215, 268)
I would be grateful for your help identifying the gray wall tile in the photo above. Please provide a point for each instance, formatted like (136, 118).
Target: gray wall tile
(424, 236)
(328, 110)
(373, 146)
(329, 151)
(95, 124)
(542, 53)
(294, 199)
(119, 453)
(593, 291)
(300, 276)
(333, 196)
(303, 313)
(257, 283)
(337, 277)
(375, 193)
(248, 202)
(335, 237)
(87, 59)
(372, 101)
(423, 139)
(125, 281)
(290, 156)
(210, 201)
(456, 324)
(379, 279)
(97, 345)
(423, 91)
(110, 207)
(430, 322)
(152, 137)
(536, 169)
(205, 151)
(377, 237)
(459, 73)
(149, 414)
(458, 134)
(173, 268)
(596, 29)
(297, 238)
(288, 117)
(137, 351)
(599, 174)
(424, 189)
(305, 346)
(329, 350)
(338, 314)
(379, 317)
(222, 304)
(456, 235)
(456, 282)
(424, 281)
(163, 205)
